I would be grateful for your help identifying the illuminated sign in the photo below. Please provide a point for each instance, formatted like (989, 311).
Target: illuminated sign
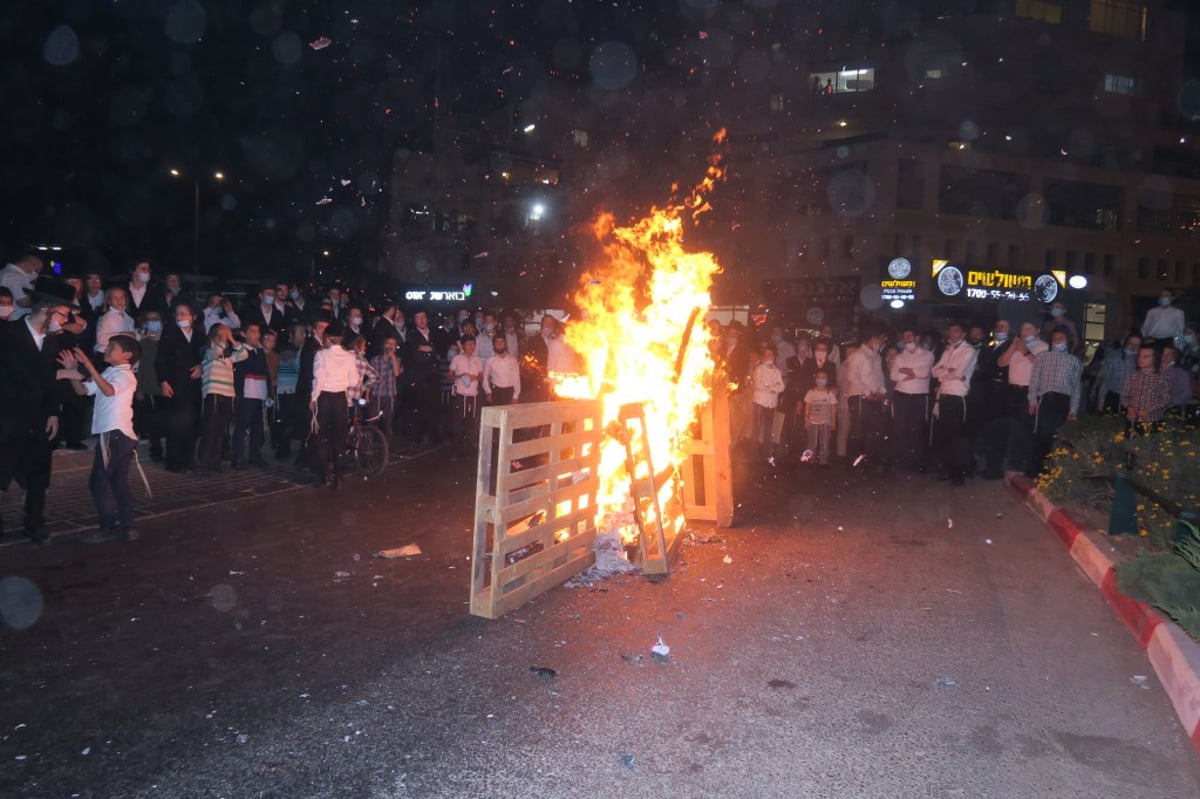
(993, 284)
(440, 295)
(900, 286)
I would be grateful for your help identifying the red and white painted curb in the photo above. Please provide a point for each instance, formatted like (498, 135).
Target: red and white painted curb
(1175, 656)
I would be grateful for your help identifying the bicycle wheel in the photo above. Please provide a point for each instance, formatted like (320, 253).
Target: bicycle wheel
(371, 454)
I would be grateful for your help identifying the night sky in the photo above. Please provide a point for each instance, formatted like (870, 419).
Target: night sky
(102, 99)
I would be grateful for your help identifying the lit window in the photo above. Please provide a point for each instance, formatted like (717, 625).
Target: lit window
(1119, 84)
(842, 81)
(777, 103)
(1120, 18)
(1041, 10)
(580, 137)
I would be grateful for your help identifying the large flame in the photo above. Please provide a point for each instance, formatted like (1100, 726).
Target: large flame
(642, 339)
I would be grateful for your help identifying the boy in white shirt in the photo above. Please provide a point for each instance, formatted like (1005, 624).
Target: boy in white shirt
(112, 420)
(767, 383)
(820, 416)
(466, 368)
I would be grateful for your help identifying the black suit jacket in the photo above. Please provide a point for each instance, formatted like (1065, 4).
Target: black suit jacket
(304, 381)
(155, 299)
(176, 357)
(28, 384)
(254, 314)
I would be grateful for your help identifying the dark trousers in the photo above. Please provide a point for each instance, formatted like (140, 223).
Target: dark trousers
(283, 424)
(148, 422)
(384, 409)
(464, 422)
(502, 396)
(218, 411)
(247, 418)
(1052, 413)
(302, 430)
(29, 453)
(72, 416)
(1020, 440)
(950, 437)
(910, 429)
(866, 428)
(1110, 402)
(333, 421)
(182, 412)
(109, 481)
(425, 409)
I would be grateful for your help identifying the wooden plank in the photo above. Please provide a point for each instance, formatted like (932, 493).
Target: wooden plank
(541, 531)
(548, 445)
(497, 606)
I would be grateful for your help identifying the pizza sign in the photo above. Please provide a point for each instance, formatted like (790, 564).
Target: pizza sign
(953, 280)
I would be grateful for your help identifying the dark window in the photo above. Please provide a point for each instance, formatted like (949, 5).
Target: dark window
(1069, 264)
(1161, 273)
(1089, 263)
(1110, 264)
(981, 192)
(1179, 271)
(910, 184)
(1086, 205)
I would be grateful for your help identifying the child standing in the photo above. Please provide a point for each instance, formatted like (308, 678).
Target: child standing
(767, 382)
(217, 388)
(820, 416)
(112, 420)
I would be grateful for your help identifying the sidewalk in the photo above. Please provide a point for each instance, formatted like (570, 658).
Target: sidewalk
(69, 508)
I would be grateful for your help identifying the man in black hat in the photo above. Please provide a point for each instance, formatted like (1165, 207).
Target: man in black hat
(29, 402)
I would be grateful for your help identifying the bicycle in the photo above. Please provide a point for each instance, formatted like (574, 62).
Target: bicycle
(366, 445)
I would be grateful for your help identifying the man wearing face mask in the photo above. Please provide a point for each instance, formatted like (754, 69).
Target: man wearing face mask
(542, 353)
(989, 381)
(1018, 360)
(910, 402)
(19, 277)
(953, 372)
(298, 303)
(1118, 366)
(865, 391)
(1058, 318)
(1164, 323)
(180, 352)
(30, 404)
(143, 294)
(265, 314)
(1054, 393)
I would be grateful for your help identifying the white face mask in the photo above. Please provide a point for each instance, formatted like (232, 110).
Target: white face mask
(143, 277)
(1002, 337)
(5, 311)
(184, 324)
(55, 326)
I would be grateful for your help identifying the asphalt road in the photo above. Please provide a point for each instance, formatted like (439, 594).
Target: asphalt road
(856, 646)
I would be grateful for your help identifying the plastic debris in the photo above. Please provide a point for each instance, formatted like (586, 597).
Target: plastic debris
(325, 201)
(406, 551)
(949, 524)
(1141, 681)
(660, 651)
(543, 672)
(727, 559)
(627, 761)
(806, 456)
(946, 682)
(339, 575)
(320, 43)
(345, 182)
(859, 459)
(771, 460)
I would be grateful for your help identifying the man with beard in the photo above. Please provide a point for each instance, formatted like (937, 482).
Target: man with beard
(30, 404)
(953, 372)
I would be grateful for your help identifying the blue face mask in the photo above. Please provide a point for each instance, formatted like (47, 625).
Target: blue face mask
(1056, 312)
(1060, 347)
(154, 326)
(1002, 337)
(821, 382)
(1164, 301)
(1189, 339)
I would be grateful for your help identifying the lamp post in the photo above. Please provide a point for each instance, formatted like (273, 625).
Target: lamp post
(217, 176)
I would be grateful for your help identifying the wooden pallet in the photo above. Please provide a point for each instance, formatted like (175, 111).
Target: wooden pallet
(535, 500)
(707, 481)
(657, 495)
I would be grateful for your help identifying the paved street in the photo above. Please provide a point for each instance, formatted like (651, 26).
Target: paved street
(856, 646)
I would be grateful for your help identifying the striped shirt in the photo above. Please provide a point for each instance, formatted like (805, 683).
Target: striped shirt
(1058, 373)
(216, 370)
(385, 371)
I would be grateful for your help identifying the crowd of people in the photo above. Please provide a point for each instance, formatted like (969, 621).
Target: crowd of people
(968, 400)
(210, 383)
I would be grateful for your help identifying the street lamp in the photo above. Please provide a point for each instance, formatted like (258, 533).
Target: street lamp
(217, 176)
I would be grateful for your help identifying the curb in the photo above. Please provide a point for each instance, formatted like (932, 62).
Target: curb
(1174, 656)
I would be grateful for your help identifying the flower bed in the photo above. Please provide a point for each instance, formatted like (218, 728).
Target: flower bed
(1079, 473)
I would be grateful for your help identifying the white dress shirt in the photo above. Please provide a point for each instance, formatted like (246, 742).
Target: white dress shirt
(218, 314)
(334, 369)
(1163, 322)
(955, 368)
(921, 363)
(864, 373)
(465, 367)
(20, 283)
(115, 412)
(110, 323)
(38, 338)
(1020, 365)
(502, 371)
